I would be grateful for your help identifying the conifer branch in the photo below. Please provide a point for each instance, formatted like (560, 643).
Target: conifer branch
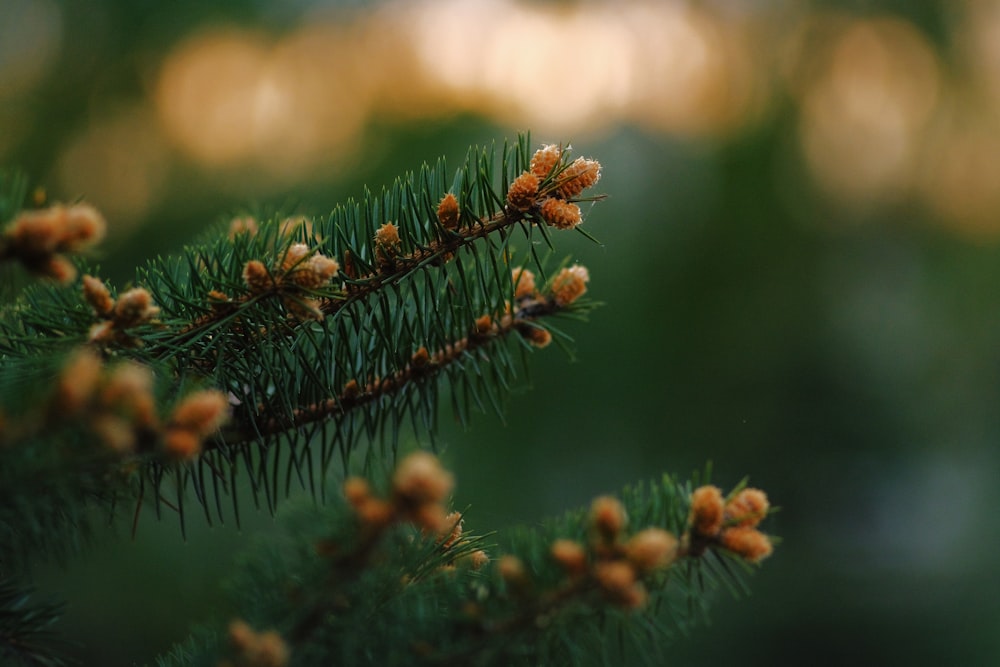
(394, 579)
(26, 635)
(247, 352)
(424, 365)
(301, 342)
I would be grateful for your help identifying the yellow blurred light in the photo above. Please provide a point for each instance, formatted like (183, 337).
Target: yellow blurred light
(563, 69)
(692, 73)
(323, 97)
(119, 164)
(978, 38)
(875, 89)
(962, 153)
(960, 177)
(231, 98)
(212, 99)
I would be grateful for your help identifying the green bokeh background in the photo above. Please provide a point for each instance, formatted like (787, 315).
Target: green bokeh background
(845, 357)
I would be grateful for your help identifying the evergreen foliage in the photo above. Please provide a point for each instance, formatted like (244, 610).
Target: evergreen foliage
(292, 351)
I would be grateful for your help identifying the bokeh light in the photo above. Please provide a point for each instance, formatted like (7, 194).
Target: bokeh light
(871, 89)
(121, 161)
(285, 102)
(799, 259)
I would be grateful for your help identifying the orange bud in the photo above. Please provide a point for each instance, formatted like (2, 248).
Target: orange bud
(523, 191)
(419, 479)
(303, 308)
(356, 490)
(181, 444)
(36, 233)
(577, 177)
(453, 526)
(420, 358)
(651, 549)
(257, 277)
(134, 307)
(78, 381)
(351, 389)
(561, 214)
(706, 510)
(429, 516)
(512, 570)
(201, 412)
(96, 293)
(478, 558)
(484, 324)
(114, 432)
(524, 283)
(294, 256)
(545, 160)
(747, 542)
(82, 225)
(448, 212)
(242, 225)
(375, 512)
(570, 284)
(56, 267)
(748, 508)
(323, 267)
(535, 335)
(241, 635)
(387, 236)
(570, 556)
(608, 517)
(617, 578)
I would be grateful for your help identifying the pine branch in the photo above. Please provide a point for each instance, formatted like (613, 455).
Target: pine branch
(423, 367)
(26, 636)
(392, 579)
(269, 351)
(301, 348)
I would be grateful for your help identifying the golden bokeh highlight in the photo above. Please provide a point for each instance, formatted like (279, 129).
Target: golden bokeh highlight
(959, 179)
(978, 37)
(119, 163)
(871, 90)
(229, 97)
(214, 99)
(565, 69)
(879, 118)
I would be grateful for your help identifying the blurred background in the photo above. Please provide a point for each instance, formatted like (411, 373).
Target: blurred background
(800, 261)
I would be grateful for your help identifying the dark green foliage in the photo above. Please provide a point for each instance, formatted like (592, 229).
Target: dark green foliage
(397, 607)
(274, 366)
(26, 635)
(314, 374)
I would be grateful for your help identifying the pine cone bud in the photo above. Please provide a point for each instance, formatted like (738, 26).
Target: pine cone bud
(96, 293)
(570, 284)
(545, 160)
(706, 511)
(561, 214)
(748, 508)
(577, 177)
(747, 542)
(523, 191)
(448, 212)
